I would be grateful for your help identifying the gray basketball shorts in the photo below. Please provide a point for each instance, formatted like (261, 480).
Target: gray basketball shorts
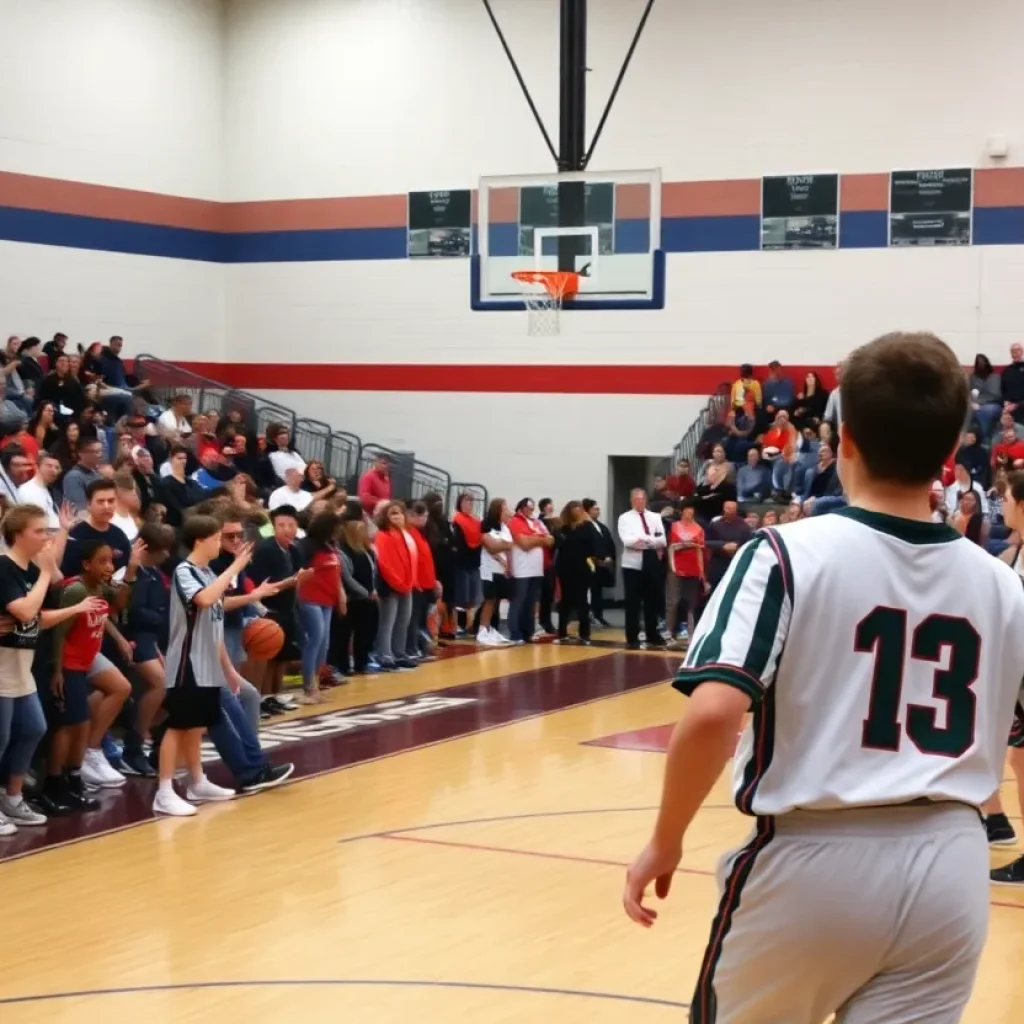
(878, 915)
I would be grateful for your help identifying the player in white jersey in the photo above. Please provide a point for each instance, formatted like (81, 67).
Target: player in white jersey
(882, 654)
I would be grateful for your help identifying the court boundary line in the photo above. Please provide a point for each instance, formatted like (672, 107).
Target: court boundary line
(342, 982)
(24, 855)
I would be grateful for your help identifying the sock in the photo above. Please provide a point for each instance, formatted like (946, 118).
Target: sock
(15, 801)
(167, 786)
(197, 780)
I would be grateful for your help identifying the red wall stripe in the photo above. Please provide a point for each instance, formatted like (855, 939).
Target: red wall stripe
(498, 379)
(1002, 186)
(859, 192)
(711, 198)
(318, 214)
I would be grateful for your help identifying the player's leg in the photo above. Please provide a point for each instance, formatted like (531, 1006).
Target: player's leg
(930, 968)
(799, 927)
(1013, 873)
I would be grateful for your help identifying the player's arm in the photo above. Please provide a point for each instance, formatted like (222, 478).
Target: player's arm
(731, 661)
(208, 596)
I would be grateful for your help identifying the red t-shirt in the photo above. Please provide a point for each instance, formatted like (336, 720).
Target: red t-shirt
(685, 561)
(84, 637)
(324, 586)
(681, 486)
(1012, 451)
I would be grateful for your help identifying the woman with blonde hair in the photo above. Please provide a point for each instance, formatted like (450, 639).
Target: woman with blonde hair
(575, 551)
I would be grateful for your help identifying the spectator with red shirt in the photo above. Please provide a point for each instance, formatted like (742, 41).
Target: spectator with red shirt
(419, 643)
(687, 579)
(320, 595)
(780, 433)
(396, 577)
(681, 483)
(76, 648)
(375, 484)
(1009, 450)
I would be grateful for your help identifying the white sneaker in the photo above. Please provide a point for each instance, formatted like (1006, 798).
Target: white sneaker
(485, 638)
(168, 802)
(98, 773)
(204, 792)
(20, 813)
(7, 828)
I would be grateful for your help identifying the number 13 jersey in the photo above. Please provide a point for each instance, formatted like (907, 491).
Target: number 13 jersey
(883, 658)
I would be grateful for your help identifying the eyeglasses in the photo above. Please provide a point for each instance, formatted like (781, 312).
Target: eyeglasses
(233, 535)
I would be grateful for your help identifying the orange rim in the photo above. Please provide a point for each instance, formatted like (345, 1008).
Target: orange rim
(559, 284)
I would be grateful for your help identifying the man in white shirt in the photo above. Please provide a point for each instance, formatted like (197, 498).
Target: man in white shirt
(36, 491)
(173, 423)
(643, 547)
(291, 493)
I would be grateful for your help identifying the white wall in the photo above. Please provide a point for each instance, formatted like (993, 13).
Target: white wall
(114, 92)
(169, 308)
(354, 97)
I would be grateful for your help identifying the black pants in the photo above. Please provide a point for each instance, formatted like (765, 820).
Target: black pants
(358, 630)
(597, 600)
(644, 589)
(573, 600)
(547, 599)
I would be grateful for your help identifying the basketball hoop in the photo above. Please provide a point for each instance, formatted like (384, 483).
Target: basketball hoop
(544, 306)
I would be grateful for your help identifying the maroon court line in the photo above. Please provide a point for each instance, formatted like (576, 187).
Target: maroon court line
(499, 701)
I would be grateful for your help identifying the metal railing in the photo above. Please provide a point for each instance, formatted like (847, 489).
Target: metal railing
(343, 454)
(475, 491)
(688, 448)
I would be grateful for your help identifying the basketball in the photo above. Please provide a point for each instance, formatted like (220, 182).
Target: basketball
(262, 639)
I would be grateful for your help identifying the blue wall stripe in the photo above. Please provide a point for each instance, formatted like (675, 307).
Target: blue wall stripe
(711, 234)
(632, 236)
(317, 246)
(864, 229)
(998, 225)
(76, 232)
(857, 230)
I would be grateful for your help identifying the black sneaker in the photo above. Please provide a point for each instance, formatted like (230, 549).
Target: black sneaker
(272, 706)
(269, 775)
(74, 794)
(1008, 874)
(134, 762)
(52, 801)
(404, 664)
(1000, 831)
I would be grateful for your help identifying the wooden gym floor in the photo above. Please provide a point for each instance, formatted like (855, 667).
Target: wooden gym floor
(453, 848)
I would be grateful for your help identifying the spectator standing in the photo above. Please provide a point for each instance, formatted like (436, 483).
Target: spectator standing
(495, 553)
(687, 578)
(1012, 383)
(31, 370)
(426, 590)
(753, 481)
(28, 568)
(396, 577)
(530, 538)
(37, 490)
(575, 563)
(320, 596)
(724, 537)
(834, 405)
(359, 625)
(777, 390)
(604, 558)
(552, 523)
(440, 534)
(375, 484)
(643, 546)
(83, 473)
(100, 505)
(468, 534)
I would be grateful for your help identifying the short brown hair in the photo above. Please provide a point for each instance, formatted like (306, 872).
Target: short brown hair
(157, 537)
(381, 519)
(904, 404)
(18, 519)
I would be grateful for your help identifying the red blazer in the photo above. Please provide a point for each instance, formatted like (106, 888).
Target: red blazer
(426, 575)
(394, 560)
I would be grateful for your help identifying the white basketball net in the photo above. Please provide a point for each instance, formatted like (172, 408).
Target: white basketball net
(542, 313)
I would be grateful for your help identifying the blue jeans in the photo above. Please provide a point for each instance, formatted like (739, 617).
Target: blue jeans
(235, 740)
(315, 620)
(22, 726)
(987, 417)
(525, 595)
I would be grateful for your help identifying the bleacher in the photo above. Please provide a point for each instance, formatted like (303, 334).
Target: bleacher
(343, 454)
